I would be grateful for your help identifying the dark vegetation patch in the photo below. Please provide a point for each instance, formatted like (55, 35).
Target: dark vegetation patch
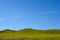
(30, 30)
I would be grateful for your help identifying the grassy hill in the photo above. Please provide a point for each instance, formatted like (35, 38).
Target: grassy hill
(30, 34)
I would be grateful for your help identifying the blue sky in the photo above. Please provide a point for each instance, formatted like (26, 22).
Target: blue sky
(37, 14)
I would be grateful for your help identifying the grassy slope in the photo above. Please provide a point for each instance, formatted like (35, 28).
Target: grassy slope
(30, 33)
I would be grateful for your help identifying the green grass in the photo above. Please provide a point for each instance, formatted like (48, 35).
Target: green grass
(30, 34)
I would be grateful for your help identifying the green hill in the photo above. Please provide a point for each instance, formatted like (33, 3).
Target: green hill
(29, 30)
(30, 34)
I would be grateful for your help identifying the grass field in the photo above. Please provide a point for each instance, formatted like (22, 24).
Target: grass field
(30, 34)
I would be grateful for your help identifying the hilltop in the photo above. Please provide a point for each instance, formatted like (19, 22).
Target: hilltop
(30, 30)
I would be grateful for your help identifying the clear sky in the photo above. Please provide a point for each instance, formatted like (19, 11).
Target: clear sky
(37, 14)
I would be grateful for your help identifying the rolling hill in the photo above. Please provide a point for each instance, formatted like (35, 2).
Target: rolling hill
(30, 34)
